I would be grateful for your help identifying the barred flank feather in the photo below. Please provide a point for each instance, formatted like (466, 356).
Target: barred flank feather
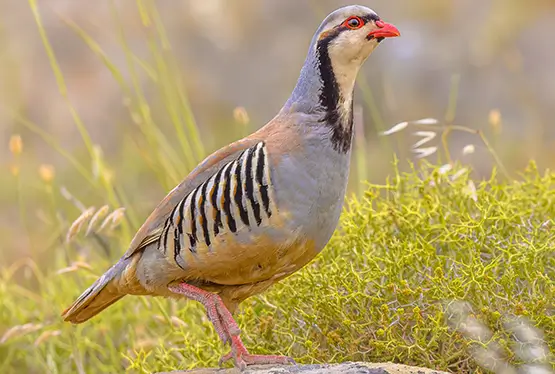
(236, 196)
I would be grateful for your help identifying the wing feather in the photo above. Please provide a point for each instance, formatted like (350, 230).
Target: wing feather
(154, 225)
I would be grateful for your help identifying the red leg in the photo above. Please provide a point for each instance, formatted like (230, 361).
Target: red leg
(227, 328)
(226, 316)
(207, 300)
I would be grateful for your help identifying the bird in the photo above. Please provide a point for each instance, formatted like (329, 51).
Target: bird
(259, 209)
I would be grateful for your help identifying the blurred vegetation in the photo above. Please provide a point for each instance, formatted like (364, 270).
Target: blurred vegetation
(77, 186)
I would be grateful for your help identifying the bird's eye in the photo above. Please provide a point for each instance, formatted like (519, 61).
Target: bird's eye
(354, 23)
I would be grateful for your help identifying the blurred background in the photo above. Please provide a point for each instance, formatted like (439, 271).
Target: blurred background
(113, 102)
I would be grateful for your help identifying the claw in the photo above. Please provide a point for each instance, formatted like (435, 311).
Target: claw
(225, 358)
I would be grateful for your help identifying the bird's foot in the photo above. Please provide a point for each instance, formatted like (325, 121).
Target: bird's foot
(243, 358)
(227, 329)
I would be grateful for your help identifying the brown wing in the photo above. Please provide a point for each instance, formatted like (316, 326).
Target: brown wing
(152, 228)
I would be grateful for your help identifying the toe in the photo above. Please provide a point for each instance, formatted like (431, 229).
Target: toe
(224, 359)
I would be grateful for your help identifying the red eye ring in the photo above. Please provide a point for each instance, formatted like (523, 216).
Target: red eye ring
(353, 23)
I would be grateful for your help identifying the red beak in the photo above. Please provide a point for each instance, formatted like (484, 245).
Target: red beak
(384, 30)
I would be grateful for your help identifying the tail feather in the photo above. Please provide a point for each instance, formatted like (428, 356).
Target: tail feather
(103, 293)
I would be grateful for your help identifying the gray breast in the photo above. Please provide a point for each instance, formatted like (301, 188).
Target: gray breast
(310, 186)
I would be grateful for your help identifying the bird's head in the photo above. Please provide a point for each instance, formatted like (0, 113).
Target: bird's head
(338, 49)
(350, 34)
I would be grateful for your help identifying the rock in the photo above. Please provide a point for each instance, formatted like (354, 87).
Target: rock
(344, 368)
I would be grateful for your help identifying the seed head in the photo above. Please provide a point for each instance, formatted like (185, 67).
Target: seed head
(16, 145)
(241, 116)
(468, 149)
(46, 173)
(495, 119)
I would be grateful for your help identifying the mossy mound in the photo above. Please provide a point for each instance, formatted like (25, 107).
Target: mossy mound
(377, 293)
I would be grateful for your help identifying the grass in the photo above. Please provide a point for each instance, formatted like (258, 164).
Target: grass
(385, 289)
(379, 292)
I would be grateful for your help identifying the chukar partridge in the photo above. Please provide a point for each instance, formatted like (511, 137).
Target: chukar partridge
(261, 208)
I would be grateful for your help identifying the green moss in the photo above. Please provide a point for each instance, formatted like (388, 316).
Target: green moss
(377, 293)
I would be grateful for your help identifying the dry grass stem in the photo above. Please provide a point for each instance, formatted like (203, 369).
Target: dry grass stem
(68, 196)
(45, 336)
(19, 330)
